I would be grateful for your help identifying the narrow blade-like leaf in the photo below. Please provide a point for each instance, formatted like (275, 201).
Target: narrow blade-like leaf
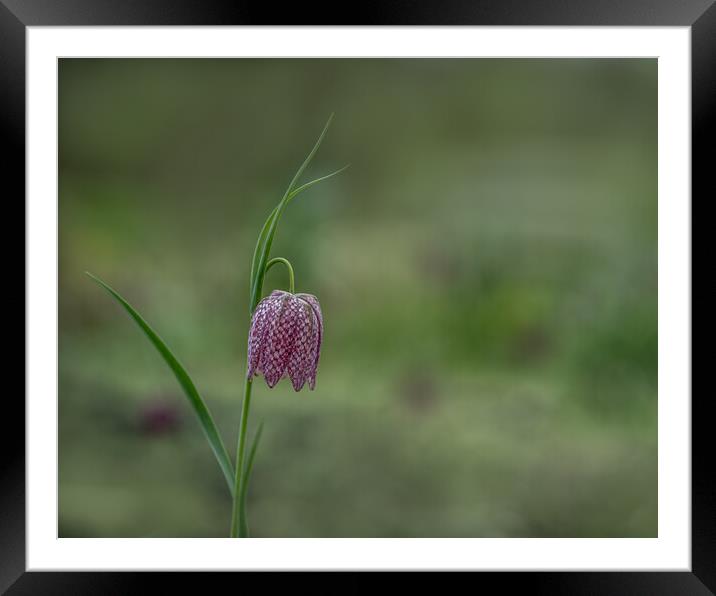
(265, 248)
(257, 253)
(195, 400)
(267, 224)
(308, 159)
(308, 185)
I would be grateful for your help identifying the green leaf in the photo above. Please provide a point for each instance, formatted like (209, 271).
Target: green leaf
(263, 246)
(243, 520)
(195, 400)
(308, 185)
(308, 159)
(260, 243)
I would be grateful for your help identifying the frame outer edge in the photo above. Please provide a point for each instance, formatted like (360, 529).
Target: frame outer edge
(377, 12)
(12, 120)
(703, 129)
(12, 170)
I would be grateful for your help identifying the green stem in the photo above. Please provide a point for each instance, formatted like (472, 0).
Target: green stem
(243, 519)
(288, 266)
(239, 524)
(239, 520)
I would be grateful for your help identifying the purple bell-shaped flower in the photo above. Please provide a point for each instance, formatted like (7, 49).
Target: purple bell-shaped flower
(285, 339)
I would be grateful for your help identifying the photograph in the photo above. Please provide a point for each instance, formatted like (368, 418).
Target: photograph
(357, 297)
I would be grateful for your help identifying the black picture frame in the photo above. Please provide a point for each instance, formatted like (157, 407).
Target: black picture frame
(17, 15)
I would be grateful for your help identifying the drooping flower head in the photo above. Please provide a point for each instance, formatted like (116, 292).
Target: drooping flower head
(285, 339)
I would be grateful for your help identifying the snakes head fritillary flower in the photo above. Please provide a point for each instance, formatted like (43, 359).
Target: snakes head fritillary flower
(285, 339)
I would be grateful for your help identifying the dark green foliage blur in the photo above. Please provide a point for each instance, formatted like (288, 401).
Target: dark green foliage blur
(487, 269)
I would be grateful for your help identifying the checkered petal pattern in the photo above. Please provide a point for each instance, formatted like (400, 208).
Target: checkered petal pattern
(316, 337)
(285, 339)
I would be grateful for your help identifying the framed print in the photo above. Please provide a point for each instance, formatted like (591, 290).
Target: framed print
(411, 293)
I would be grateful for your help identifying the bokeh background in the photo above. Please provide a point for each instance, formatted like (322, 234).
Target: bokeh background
(487, 269)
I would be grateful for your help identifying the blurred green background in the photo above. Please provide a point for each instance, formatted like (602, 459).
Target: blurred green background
(487, 269)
